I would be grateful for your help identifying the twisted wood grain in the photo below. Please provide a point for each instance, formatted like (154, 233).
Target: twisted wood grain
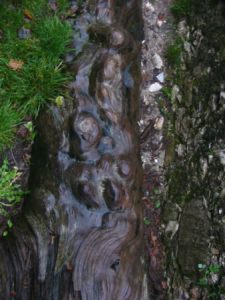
(80, 233)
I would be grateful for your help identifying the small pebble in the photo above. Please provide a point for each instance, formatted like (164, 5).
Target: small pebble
(159, 23)
(180, 150)
(215, 251)
(161, 20)
(175, 92)
(222, 94)
(149, 6)
(155, 87)
(157, 61)
(141, 122)
(172, 227)
(161, 77)
(159, 123)
(214, 278)
(24, 33)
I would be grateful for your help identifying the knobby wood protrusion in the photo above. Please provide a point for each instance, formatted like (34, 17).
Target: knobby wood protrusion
(80, 233)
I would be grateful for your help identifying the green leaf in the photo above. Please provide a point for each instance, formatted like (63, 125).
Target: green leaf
(10, 191)
(147, 221)
(29, 126)
(5, 233)
(59, 100)
(201, 266)
(158, 204)
(10, 223)
(202, 281)
(214, 268)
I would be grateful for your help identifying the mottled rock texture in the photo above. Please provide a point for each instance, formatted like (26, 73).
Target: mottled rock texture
(194, 196)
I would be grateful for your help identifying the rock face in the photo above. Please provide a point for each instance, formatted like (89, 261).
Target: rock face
(193, 237)
(80, 233)
(194, 196)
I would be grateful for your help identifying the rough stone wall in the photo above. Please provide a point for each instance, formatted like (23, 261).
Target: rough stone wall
(194, 199)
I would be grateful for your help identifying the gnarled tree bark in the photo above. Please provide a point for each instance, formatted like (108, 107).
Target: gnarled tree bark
(80, 233)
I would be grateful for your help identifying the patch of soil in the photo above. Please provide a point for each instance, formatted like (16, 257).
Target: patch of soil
(158, 33)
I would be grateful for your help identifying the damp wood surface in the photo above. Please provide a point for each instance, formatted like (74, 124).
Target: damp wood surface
(79, 235)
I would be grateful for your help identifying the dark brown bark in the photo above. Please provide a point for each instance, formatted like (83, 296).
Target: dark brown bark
(80, 232)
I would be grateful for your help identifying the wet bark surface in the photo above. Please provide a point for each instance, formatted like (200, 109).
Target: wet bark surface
(80, 234)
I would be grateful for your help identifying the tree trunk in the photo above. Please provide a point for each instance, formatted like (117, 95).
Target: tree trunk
(79, 235)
